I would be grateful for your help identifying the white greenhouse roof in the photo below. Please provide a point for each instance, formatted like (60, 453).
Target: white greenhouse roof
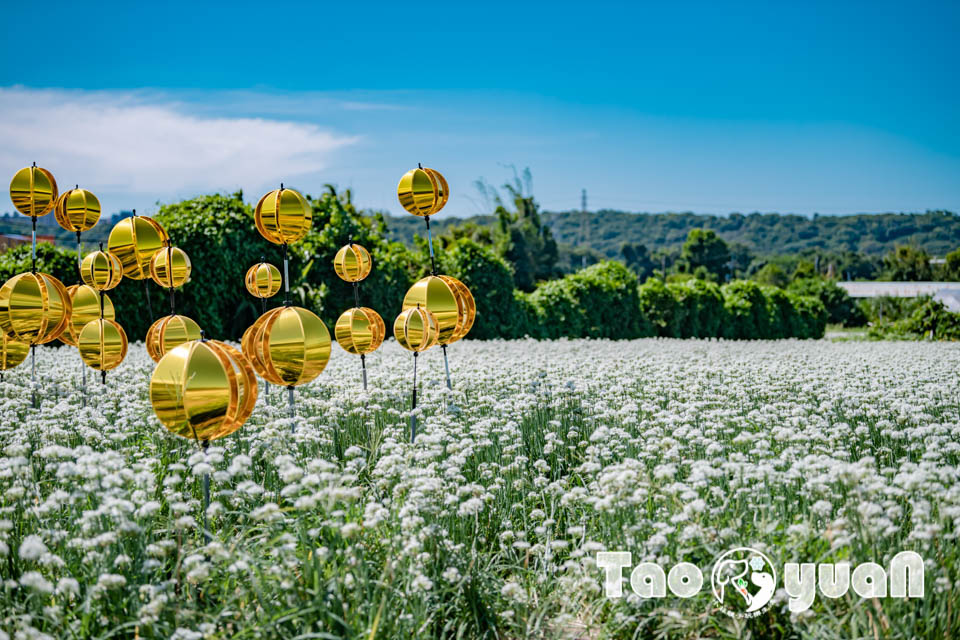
(897, 289)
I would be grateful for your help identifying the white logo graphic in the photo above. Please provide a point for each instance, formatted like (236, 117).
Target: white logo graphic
(743, 581)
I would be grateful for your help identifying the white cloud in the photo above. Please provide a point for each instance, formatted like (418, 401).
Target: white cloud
(133, 143)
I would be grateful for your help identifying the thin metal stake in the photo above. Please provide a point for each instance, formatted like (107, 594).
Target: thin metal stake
(83, 366)
(206, 496)
(293, 411)
(363, 367)
(146, 288)
(433, 263)
(446, 366)
(286, 277)
(413, 417)
(33, 372)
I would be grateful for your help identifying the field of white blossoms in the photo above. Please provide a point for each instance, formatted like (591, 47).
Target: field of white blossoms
(488, 526)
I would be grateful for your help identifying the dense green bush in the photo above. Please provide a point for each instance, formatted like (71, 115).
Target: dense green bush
(700, 308)
(810, 317)
(488, 276)
(600, 301)
(928, 319)
(747, 311)
(841, 308)
(660, 307)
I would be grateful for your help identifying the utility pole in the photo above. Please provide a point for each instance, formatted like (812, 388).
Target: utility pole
(584, 228)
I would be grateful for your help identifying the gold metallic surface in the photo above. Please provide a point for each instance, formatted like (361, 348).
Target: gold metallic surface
(34, 308)
(352, 263)
(450, 302)
(423, 192)
(360, 330)
(415, 329)
(102, 344)
(12, 352)
(33, 191)
(77, 210)
(203, 390)
(263, 280)
(85, 301)
(169, 332)
(283, 216)
(101, 270)
(291, 346)
(170, 267)
(134, 240)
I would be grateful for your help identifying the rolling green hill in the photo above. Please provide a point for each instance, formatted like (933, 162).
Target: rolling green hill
(873, 234)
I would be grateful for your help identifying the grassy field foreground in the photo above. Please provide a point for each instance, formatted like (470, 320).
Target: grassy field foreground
(488, 526)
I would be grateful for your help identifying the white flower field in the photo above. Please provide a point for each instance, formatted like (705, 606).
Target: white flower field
(489, 524)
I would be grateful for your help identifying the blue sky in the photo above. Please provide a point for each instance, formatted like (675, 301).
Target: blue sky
(711, 107)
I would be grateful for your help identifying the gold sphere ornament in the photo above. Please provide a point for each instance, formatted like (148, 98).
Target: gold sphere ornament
(170, 267)
(101, 270)
(85, 302)
(352, 263)
(359, 330)
(203, 389)
(449, 300)
(12, 352)
(263, 280)
(33, 191)
(134, 240)
(34, 308)
(416, 329)
(168, 333)
(289, 346)
(283, 216)
(102, 344)
(77, 210)
(422, 191)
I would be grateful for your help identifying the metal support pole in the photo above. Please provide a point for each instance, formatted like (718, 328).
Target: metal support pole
(206, 496)
(413, 403)
(433, 262)
(33, 372)
(293, 410)
(286, 277)
(146, 287)
(446, 366)
(363, 367)
(83, 366)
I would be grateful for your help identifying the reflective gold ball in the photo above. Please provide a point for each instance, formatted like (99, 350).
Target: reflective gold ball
(34, 308)
(291, 346)
(168, 333)
(12, 352)
(85, 301)
(203, 390)
(102, 344)
(283, 216)
(33, 191)
(416, 329)
(263, 280)
(77, 210)
(422, 191)
(101, 270)
(352, 263)
(134, 240)
(450, 302)
(170, 267)
(360, 330)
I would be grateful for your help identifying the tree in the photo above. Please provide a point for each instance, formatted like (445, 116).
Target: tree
(771, 274)
(951, 268)
(704, 248)
(520, 235)
(638, 259)
(489, 279)
(907, 264)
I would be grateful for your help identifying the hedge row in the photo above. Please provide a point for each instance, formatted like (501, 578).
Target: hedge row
(606, 301)
(601, 301)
